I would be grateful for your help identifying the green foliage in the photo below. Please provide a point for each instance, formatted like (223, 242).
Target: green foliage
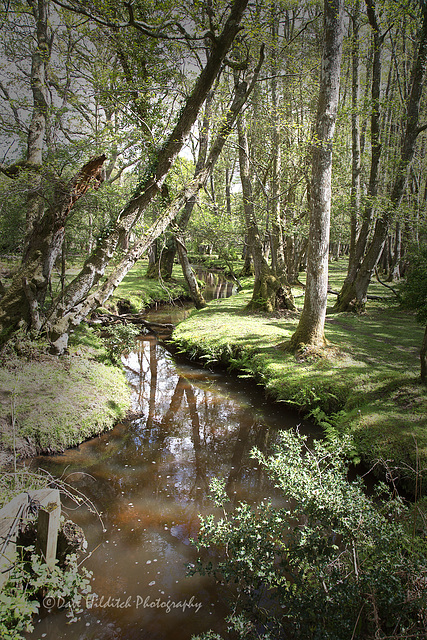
(120, 339)
(31, 581)
(334, 565)
(415, 288)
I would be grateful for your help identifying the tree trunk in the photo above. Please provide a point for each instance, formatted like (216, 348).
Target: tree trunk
(397, 254)
(37, 129)
(190, 278)
(43, 249)
(277, 240)
(354, 293)
(267, 287)
(423, 358)
(310, 330)
(167, 256)
(355, 133)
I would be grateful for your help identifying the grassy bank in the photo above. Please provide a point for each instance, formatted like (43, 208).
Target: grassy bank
(366, 383)
(136, 292)
(48, 404)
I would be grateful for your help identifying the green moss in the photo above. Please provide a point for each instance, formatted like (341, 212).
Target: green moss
(365, 383)
(60, 402)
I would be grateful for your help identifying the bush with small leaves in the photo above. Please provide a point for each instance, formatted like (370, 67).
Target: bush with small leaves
(337, 565)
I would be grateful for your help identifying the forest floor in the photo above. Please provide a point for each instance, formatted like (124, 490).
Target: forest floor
(366, 382)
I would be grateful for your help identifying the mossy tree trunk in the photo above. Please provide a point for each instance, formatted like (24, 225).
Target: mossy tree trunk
(190, 278)
(24, 299)
(267, 285)
(310, 330)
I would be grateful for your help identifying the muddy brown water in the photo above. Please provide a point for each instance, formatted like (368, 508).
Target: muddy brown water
(150, 480)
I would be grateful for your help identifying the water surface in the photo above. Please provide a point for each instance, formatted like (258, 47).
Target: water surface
(150, 479)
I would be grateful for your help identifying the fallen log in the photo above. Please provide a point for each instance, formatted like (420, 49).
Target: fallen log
(133, 318)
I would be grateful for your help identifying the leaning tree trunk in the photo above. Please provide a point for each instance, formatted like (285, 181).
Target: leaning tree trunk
(310, 330)
(163, 267)
(190, 278)
(96, 264)
(59, 321)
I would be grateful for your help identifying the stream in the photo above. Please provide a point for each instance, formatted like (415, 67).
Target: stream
(149, 479)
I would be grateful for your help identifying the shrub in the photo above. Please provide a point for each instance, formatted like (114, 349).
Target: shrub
(338, 565)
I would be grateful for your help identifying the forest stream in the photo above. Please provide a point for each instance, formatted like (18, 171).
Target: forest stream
(150, 479)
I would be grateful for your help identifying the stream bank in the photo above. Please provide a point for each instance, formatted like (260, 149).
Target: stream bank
(48, 404)
(366, 383)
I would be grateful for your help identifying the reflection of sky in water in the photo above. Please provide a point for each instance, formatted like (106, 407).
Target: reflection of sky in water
(150, 479)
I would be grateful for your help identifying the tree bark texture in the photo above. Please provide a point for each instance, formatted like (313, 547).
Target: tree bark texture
(266, 284)
(354, 293)
(44, 247)
(190, 278)
(277, 240)
(37, 128)
(355, 132)
(164, 266)
(59, 321)
(310, 330)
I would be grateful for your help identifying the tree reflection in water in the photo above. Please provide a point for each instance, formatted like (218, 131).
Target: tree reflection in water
(150, 478)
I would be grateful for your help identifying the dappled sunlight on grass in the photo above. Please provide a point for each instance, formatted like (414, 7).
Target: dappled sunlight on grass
(369, 373)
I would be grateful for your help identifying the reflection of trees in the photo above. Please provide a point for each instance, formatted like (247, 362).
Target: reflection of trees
(201, 476)
(175, 403)
(245, 427)
(153, 384)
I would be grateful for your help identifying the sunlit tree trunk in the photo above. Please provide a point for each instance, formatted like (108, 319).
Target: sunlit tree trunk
(354, 295)
(310, 330)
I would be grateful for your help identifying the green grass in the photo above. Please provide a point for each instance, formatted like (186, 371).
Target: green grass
(142, 292)
(60, 402)
(366, 383)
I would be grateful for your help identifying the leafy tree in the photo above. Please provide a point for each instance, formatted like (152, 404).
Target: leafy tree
(310, 330)
(23, 301)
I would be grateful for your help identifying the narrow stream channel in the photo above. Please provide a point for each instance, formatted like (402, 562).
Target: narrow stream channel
(150, 479)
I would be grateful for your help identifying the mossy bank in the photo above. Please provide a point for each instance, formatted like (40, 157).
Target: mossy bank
(365, 383)
(48, 404)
